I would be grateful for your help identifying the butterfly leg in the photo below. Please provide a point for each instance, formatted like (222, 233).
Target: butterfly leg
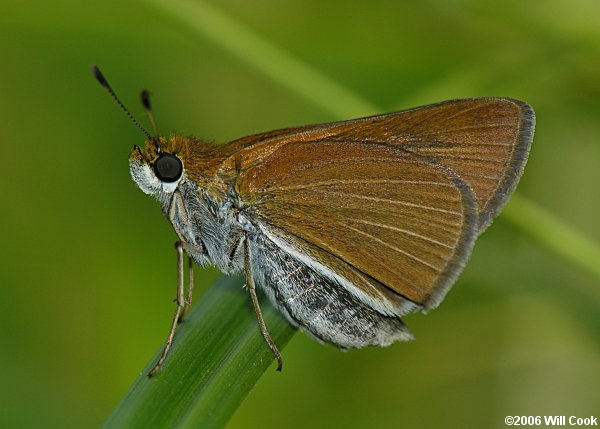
(190, 249)
(188, 301)
(178, 312)
(261, 322)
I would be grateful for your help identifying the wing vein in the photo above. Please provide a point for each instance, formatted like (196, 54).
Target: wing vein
(454, 156)
(410, 255)
(463, 111)
(404, 231)
(471, 127)
(403, 203)
(357, 182)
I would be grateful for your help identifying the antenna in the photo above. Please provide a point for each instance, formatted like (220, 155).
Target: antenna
(145, 97)
(102, 80)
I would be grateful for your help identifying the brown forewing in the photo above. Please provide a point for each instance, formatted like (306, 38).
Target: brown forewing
(400, 218)
(485, 141)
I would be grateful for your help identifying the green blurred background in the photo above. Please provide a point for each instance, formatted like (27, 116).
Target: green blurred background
(88, 266)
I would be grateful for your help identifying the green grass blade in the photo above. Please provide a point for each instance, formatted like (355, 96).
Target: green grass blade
(259, 53)
(217, 357)
(554, 234)
(242, 42)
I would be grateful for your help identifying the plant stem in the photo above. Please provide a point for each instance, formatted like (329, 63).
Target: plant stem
(217, 357)
(553, 233)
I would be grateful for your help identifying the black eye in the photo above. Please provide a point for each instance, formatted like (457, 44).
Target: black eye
(168, 168)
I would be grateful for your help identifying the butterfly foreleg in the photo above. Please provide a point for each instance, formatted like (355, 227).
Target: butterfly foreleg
(178, 311)
(183, 304)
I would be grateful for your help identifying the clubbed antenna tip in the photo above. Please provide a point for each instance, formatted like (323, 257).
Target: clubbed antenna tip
(145, 97)
(99, 76)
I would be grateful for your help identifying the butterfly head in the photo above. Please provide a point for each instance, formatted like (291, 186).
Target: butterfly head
(163, 163)
(159, 167)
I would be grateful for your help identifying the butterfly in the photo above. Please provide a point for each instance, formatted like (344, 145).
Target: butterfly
(346, 226)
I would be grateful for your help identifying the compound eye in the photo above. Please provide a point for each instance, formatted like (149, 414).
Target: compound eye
(168, 168)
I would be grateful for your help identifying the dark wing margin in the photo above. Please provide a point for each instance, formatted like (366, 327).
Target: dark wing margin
(515, 166)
